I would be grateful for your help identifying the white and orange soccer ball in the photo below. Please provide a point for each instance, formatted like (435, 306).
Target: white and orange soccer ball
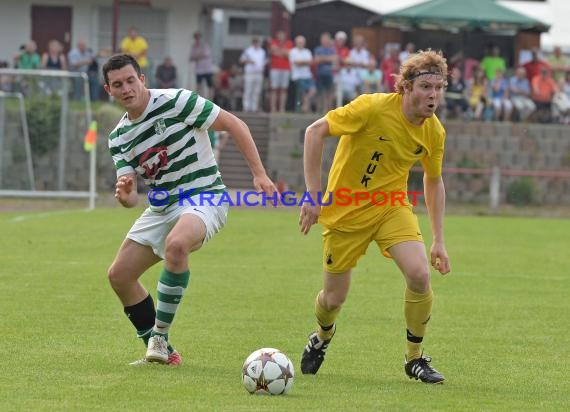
(268, 371)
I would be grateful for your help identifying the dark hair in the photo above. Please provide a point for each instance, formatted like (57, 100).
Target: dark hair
(118, 61)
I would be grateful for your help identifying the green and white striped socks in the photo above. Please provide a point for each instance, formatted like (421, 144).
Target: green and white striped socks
(171, 288)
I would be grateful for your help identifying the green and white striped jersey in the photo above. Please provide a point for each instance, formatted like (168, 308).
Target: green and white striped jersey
(168, 145)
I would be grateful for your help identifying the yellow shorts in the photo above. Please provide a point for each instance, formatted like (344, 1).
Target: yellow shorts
(342, 249)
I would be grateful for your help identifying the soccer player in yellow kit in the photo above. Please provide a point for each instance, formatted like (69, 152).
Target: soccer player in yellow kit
(382, 136)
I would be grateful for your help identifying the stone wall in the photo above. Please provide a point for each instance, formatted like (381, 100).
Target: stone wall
(517, 149)
(285, 153)
(510, 146)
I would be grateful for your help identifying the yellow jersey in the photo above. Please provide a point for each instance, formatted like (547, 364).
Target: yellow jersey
(134, 47)
(377, 148)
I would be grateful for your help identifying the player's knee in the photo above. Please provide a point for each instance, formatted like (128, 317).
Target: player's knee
(333, 301)
(115, 277)
(418, 280)
(175, 250)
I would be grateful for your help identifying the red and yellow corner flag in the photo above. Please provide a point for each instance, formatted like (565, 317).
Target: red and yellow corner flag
(90, 137)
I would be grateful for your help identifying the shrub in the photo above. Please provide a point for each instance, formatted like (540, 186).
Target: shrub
(522, 191)
(43, 114)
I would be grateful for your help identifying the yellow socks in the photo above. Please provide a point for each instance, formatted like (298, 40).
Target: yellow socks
(325, 319)
(417, 311)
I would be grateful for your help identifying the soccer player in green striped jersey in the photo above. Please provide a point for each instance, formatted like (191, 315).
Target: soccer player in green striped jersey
(163, 138)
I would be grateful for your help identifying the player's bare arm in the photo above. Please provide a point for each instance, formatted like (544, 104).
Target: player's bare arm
(241, 134)
(313, 153)
(126, 190)
(434, 192)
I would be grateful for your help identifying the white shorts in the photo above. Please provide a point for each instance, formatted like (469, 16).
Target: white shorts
(279, 78)
(152, 228)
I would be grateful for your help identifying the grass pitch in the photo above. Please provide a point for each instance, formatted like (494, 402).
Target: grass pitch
(499, 330)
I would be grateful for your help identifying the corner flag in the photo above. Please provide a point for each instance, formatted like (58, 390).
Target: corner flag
(90, 137)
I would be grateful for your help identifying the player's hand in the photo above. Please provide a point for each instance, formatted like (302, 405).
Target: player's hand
(309, 216)
(439, 258)
(264, 184)
(124, 187)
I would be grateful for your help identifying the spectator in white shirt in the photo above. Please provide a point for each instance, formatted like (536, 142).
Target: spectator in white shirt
(254, 59)
(407, 52)
(359, 55)
(350, 81)
(520, 92)
(301, 59)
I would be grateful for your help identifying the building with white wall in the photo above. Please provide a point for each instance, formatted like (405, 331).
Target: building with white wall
(167, 25)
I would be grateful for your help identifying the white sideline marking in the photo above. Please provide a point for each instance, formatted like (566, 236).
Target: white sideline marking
(23, 218)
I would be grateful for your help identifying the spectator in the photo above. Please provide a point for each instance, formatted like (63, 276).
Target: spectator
(359, 55)
(166, 76)
(543, 89)
(390, 67)
(279, 71)
(6, 80)
(253, 58)
(372, 79)
(342, 50)
(477, 93)
(236, 84)
(137, 46)
(29, 57)
(456, 103)
(502, 105)
(225, 96)
(559, 64)
(533, 66)
(325, 60)
(80, 59)
(350, 81)
(222, 88)
(201, 56)
(407, 52)
(465, 64)
(54, 59)
(95, 84)
(493, 62)
(301, 60)
(519, 91)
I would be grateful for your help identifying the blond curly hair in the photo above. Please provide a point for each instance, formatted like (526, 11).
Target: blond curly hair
(423, 62)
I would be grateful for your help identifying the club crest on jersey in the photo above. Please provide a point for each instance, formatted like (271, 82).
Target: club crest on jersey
(153, 160)
(159, 126)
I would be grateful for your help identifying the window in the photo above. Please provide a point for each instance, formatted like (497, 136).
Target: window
(238, 25)
(251, 26)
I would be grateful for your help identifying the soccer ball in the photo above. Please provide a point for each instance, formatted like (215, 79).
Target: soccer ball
(268, 371)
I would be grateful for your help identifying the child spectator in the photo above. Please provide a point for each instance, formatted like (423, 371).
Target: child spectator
(500, 97)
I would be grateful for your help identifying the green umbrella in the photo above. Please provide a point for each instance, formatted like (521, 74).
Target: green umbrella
(456, 15)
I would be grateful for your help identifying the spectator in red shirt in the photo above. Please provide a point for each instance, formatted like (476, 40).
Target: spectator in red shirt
(534, 65)
(390, 66)
(279, 71)
(342, 50)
